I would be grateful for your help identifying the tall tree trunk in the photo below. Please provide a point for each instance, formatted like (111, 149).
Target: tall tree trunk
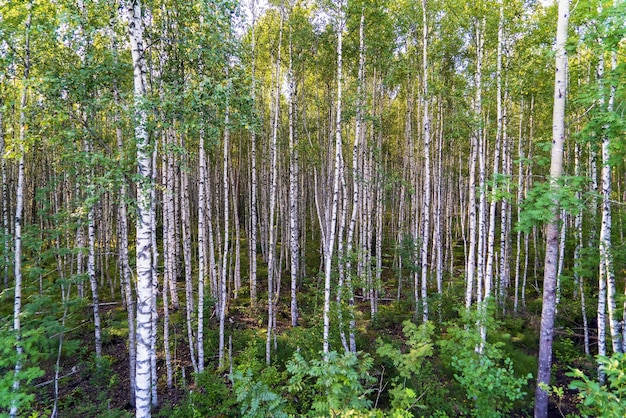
(271, 268)
(202, 168)
(223, 296)
(155, 281)
(19, 209)
(253, 177)
(186, 235)
(481, 285)
(6, 242)
(476, 141)
(552, 233)
(91, 272)
(520, 195)
(561, 260)
(578, 233)
(607, 273)
(144, 208)
(505, 210)
(491, 235)
(332, 225)
(426, 191)
(169, 273)
(294, 230)
(356, 179)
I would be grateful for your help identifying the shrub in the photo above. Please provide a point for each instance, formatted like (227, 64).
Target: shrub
(608, 400)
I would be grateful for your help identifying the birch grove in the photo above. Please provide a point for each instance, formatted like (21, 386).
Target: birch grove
(293, 208)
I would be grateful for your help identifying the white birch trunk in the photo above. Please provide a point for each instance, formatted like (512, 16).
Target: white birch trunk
(201, 247)
(293, 194)
(236, 270)
(272, 202)
(556, 167)
(168, 257)
(93, 281)
(520, 195)
(481, 286)
(505, 211)
(144, 208)
(578, 232)
(252, 254)
(437, 236)
(561, 260)
(19, 209)
(6, 242)
(225, 254)
(426, 199)
(472, 232)
(496, 160)
(607, 273)
(155, 282)
(331, 227)
(357, 179)
(186, 235)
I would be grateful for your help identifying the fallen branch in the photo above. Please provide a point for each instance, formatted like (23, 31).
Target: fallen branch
(104, 304)
(47, 382)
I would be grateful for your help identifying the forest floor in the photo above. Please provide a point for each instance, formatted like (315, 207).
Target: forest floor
(91, 392)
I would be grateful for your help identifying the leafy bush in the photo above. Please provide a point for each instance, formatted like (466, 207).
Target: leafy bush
(336, 384)
(482, 369)
(256, 398)
(409, 366)
(607, 400)
(8, 358)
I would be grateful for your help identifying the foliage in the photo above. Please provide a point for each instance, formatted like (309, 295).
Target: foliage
(538, 206)
(256, 398)
(335, 383)
(210, 398)
(408, 364)
(482, 369)
(608, 400)
(29, 372)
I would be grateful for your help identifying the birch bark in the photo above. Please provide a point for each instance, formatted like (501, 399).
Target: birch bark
(144, 208)
(253, 177)
(201, 247)
(607, 273)
(293, 193)
(223, 295)
(272, 203)
(19, 209)
(552, 234)
(426, 132)
(331, 227)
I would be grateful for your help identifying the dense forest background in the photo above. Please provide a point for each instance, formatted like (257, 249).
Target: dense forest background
(324, 208)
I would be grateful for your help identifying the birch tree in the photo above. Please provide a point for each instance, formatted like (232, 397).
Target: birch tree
(144, 208)
(223, 294)
(6, 242)
(19, 208)
(252, 239)
(294, 241)
(332, 225)
(271, 259)
(426, 192)
(607, 273)
(552, 234)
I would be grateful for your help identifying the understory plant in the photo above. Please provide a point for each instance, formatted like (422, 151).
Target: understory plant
(409, 363)
(606, 400)
(336, 384)
(481, 367)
